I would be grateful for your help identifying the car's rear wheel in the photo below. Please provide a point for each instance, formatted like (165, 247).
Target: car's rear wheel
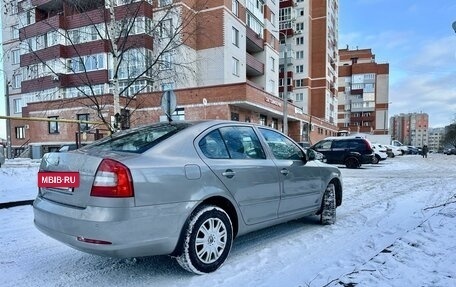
(352, 162)
(207, 240)
(328, 206)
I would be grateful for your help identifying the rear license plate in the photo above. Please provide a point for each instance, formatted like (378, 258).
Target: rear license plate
(58, 179)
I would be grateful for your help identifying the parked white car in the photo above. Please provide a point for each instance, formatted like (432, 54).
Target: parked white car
(393, 151)
(380, 153)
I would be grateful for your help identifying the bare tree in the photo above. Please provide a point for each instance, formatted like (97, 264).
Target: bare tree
(141, 47)
(450, 135)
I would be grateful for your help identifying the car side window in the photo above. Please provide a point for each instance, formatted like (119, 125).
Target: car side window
(212, 146)
(282, 147)
(242, 143)
(340, 144)
(323, 145)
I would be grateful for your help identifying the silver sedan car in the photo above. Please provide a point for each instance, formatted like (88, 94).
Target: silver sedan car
(184, 189)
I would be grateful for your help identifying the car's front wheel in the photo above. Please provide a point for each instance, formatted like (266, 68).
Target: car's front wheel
(328, 206)
(207, 240)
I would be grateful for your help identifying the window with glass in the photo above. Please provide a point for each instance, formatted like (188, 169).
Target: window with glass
(20, 132)
(235, 7)
(15, 31)
(242, 143)
(235, 37)
(17, 104)
(17, 80)
(16, 56)
(83, 126)
(235, 67)
(53, 125)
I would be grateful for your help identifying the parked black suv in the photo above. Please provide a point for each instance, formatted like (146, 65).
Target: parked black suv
(346, 150)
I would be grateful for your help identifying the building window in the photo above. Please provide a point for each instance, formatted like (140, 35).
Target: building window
(235, 37)
(166, 28)
(299, 26)
(235, 7)
(53, 126)
(16, 57)
(299, 69)
(124, 119)
(235, 66)
(299, 97)
(263, 120)
(299, 54)
(17, 103)
(20, 132)
(179, 114)
(273, 19)
(299, 40)
(168, 86)
(272, 59)
(165, 2)
(83, 126)
(166, 61)
(234, 116)
(17, 79)
(15, 31)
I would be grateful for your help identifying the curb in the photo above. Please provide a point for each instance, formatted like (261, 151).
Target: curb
(15, 203)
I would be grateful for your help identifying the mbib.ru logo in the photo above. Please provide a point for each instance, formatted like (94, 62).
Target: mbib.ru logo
(58, 179)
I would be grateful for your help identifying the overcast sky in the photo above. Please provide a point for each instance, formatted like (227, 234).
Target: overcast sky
(416, 38)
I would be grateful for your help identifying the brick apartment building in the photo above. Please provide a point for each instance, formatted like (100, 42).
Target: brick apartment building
(231, 53)
(363, 92)
(411, 128)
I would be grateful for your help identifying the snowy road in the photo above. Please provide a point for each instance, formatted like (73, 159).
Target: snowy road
(383, 205)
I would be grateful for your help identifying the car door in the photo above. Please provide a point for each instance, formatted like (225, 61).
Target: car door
(324, 147)
(301, 184)
(236, 157)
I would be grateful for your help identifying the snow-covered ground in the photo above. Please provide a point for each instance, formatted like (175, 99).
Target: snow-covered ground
(396, 227)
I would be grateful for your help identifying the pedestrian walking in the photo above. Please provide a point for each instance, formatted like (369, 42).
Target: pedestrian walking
(424, 151)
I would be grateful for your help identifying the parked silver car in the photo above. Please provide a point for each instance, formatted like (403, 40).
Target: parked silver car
(185, 189)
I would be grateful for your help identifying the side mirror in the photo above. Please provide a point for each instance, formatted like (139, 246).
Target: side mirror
(311, 155)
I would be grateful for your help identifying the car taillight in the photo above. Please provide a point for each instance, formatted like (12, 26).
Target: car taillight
(368, 146)
(112, 179)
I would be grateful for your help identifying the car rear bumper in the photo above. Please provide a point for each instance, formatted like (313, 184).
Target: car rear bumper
(131, 231)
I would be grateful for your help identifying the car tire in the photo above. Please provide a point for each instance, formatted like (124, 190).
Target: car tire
(352, 162)
(207, 240)
(376, 159)
(328, 206)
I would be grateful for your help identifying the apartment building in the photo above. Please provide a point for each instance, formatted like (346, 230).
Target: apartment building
(435, 137)
(220, 59)
(308, 34)
(411, 128)
(363, 92)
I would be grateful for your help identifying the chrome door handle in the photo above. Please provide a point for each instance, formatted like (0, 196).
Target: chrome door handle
(228, 173)
(284, 171)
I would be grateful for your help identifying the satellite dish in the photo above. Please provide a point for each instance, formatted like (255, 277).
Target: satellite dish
(205, 101)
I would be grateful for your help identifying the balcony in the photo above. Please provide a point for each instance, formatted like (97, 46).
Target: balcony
(41, 27)
(255, 43)
(254, 66)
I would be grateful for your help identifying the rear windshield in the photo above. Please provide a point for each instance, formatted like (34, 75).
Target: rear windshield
(137, 140)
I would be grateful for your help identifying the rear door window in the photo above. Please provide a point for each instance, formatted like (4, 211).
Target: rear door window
(232, 142)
